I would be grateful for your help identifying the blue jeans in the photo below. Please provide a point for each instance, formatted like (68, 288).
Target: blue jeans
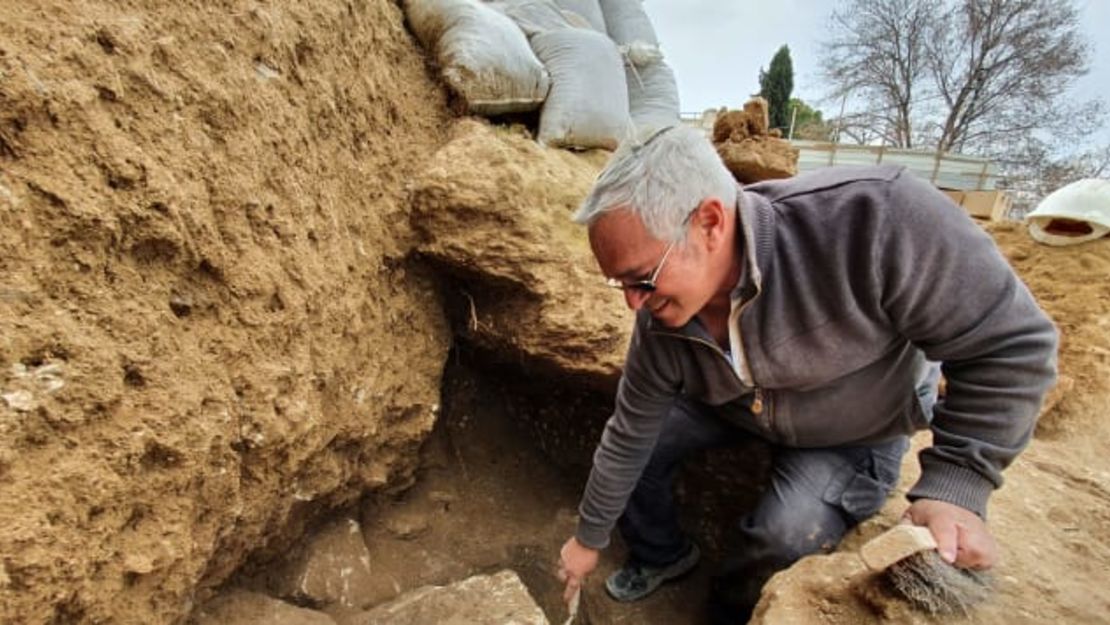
(814, 497)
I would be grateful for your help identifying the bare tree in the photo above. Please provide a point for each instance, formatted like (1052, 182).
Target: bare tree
(1033, 167)
(955, 75)
(877, 55)
(1001, 65)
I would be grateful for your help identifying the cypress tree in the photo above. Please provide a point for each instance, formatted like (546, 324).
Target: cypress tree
(775, 85)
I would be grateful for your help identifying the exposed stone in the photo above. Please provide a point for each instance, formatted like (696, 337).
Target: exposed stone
(330, 569)
(749, 149)
(406, 526)
(814, 586)
(20, 401)
(494, 209)
(240, 607)
(497, 599)
(759, 158)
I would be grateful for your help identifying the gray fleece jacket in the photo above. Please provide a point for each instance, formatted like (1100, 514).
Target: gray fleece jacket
(852, 277)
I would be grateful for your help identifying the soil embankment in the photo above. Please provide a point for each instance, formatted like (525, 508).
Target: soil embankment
(209, 326)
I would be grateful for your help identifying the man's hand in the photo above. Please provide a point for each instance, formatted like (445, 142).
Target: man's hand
(576, 561)
(962, 537)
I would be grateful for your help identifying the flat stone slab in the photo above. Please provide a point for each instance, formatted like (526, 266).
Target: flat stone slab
(498, 599)
(240, 607)
(334, 568)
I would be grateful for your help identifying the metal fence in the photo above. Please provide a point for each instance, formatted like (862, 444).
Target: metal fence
(947, 171)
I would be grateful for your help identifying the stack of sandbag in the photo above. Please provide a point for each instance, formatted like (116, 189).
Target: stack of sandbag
(652, 90)
(601, 59)
(587, 106)
(483, 55)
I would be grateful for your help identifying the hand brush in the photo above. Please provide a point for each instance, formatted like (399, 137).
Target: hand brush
(906, 557)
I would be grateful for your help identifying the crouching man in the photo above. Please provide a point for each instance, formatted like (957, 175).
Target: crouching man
(808, 313)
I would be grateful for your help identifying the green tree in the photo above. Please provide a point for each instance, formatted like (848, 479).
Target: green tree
(809, 123)
(775, 85)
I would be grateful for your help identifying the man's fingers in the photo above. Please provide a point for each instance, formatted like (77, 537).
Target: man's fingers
(948, 540)
(573, 584)
(977, 550)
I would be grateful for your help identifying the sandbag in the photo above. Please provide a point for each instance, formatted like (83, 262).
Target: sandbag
(627, 23)
(537, 16)
(652, 90)
(588, 103)
(652, 96)
(588, 9)
(483, 55)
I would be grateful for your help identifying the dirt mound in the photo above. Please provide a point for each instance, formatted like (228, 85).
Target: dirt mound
(1073, 285)
(209, 328)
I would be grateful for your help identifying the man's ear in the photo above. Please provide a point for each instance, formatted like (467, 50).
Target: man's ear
(711, 220)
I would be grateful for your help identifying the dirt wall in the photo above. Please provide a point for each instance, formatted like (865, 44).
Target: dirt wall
(208, 327)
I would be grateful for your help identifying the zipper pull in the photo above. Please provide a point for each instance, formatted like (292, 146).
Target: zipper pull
(757, 403)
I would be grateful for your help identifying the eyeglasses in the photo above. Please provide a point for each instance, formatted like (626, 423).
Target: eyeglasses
(648, 286)
(643, 286)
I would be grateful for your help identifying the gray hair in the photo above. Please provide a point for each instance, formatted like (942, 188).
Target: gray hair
(662, 179)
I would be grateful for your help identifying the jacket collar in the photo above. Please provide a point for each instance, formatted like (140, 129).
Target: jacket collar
(756, 220)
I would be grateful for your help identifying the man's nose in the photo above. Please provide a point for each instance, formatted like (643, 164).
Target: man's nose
(635, 298)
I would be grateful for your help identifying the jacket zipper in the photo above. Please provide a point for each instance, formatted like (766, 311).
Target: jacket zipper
(757, 402)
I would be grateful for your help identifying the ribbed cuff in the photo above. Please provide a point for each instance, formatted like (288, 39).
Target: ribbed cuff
(592, 536)
(953, 484)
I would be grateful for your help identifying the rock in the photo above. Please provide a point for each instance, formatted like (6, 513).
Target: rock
(239, 607)
(407, 525)
(759, 158)
(138, 563)
(332, 568)
(494, 210)
(749, 149)
(480, 600)
(814, 587)
(21, 401)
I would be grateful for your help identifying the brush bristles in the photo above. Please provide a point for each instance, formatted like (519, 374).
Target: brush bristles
(937, 587)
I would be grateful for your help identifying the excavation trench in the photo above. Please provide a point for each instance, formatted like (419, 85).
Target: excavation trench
(497, 487)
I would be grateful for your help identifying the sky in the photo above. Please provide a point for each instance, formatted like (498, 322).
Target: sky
(716, 48)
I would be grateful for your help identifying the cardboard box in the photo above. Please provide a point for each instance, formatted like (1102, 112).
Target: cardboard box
(955, 196)
(989, 205)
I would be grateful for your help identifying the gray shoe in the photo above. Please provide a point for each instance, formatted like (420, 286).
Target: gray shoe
(633, 582)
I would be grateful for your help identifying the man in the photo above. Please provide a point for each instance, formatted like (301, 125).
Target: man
(806, 312)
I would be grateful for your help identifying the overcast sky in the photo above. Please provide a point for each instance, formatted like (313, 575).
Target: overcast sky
(717, 48)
